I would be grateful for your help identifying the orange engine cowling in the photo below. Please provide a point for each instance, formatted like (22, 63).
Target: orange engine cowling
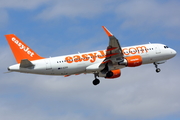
(134, 61)
(113, 74)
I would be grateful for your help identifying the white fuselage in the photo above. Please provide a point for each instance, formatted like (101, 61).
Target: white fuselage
(88, 62)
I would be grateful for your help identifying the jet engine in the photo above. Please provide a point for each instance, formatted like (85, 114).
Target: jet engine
(132, 61)
(113, 74)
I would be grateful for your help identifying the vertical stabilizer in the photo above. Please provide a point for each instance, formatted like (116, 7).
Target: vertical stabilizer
(20, 49)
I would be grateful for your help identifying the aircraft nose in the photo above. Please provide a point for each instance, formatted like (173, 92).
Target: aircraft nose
(173, 52)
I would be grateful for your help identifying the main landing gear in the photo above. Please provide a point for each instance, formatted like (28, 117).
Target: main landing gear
(157, 69)
(96, 81)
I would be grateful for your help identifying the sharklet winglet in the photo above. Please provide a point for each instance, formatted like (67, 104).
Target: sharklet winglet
(107, 31)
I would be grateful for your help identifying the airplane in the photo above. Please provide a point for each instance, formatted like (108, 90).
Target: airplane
(103, 63)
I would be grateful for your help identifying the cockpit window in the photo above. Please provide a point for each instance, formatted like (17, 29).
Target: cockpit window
(166, 47)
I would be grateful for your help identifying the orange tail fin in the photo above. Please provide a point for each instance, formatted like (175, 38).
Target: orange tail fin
(20, 49)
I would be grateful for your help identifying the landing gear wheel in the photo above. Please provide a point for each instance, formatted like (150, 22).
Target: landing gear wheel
(96, 82)
(158, 70)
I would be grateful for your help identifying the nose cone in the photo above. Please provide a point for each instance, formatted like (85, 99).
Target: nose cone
(173, 52)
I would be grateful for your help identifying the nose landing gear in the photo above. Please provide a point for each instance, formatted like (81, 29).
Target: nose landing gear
(157, 69)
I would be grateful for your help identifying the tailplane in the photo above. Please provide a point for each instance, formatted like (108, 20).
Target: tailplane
(20, 49)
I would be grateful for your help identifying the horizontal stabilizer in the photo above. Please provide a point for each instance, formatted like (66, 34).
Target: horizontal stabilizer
(25, 63)
(7, 72)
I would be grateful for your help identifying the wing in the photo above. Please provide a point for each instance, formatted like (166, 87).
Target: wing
(114, 56)
(114, 51)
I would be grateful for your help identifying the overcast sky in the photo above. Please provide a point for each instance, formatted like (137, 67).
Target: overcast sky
(60, 27)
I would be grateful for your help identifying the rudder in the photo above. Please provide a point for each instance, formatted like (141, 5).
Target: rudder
(20, 49)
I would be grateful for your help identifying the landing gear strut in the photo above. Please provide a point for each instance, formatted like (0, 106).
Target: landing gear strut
(157, 69)
(96, 81)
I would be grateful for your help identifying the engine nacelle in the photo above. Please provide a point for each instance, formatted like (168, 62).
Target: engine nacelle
(133, 61)
(113, 74)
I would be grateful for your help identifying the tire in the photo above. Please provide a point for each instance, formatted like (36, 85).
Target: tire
(158, 70)
(96, 82)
